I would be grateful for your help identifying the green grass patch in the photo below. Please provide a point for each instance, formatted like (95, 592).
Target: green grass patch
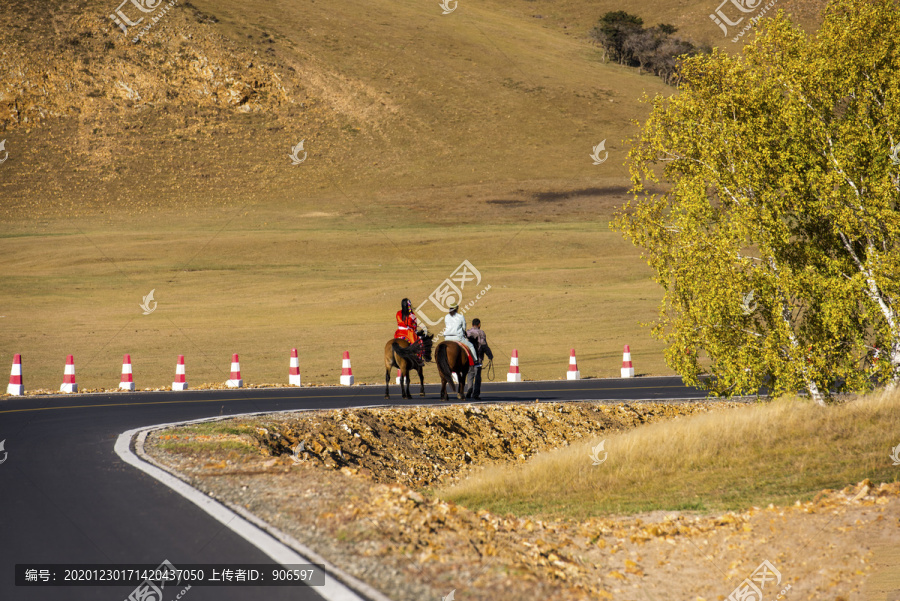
(215, 428)
(733, 459)
(194, 447)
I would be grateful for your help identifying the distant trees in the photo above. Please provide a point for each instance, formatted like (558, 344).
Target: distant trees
(655, 49)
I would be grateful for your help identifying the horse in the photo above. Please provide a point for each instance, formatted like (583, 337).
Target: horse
(452, 359)
(398, 354)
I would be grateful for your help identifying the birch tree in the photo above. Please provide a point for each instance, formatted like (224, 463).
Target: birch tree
(777, 240)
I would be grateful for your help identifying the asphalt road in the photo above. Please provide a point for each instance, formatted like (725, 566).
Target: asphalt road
(66, 497)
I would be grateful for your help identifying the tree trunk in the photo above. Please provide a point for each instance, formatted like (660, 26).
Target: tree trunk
(814, 393)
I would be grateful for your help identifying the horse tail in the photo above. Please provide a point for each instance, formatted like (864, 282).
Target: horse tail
(409, 353)
(444, 366)
(395, 349)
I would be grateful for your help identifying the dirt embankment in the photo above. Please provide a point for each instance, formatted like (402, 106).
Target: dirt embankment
(418, 447)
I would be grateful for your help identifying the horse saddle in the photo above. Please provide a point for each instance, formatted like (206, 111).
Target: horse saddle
(466, 350)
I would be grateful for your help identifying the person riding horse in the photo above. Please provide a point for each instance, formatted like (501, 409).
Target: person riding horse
(455, 329)
(407, 326)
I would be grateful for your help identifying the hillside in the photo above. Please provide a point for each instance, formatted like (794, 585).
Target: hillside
(209, 103)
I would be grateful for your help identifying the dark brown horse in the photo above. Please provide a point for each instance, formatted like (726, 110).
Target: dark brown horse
(452, 359)
(397, 353)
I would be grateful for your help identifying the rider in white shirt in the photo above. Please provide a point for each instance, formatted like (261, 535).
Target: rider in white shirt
(455, 329)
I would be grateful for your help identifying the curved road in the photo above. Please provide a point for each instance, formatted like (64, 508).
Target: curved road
(66, 497)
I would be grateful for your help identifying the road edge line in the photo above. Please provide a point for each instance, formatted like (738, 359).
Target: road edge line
(278, 545)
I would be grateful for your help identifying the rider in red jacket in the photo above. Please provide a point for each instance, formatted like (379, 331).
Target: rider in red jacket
(406, 323)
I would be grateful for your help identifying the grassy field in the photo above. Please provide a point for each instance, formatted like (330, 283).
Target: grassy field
(322, 284)
(766, 453)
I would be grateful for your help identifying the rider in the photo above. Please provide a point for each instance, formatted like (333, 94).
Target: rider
(455, 329)
(407, 324)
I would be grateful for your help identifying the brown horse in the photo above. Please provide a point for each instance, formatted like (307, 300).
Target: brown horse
(397, 353)
(452, 359)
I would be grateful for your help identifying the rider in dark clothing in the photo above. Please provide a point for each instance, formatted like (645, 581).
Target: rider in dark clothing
(476, 333)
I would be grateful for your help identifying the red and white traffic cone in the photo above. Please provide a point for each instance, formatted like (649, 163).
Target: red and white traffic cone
(180, 383)
(294, 376)
(627, 367)
(346, 370)
(573, 373)
(235, 381)
(514, 375)
(127, 382)
(69, 384)
(397, 379)
(15, 378)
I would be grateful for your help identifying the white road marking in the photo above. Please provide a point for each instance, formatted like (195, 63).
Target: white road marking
(278, 545)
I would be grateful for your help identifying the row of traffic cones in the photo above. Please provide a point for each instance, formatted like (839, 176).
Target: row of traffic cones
(16, 387)
(515, 375)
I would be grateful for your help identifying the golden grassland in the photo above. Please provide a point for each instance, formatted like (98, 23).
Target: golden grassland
(732, 459)
(320, 284)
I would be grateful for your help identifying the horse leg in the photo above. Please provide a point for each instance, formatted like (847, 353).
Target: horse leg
(387, 383)
(461, 389)
(404, 383)
(421, 382)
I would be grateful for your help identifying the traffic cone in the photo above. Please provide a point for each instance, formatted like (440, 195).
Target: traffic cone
(180, 383)
(514, 375)
(15, 378)
(294, 376)
(573, 373)
(235, 381)
(127, 383)
(627, 368)
(346, 371)
(69, 384)
(397, 379)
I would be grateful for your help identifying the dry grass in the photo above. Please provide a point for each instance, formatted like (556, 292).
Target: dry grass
(689, 16)
(324, 285)
(765, 453)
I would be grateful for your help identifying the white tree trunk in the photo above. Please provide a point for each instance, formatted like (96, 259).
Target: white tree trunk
(814, 393)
